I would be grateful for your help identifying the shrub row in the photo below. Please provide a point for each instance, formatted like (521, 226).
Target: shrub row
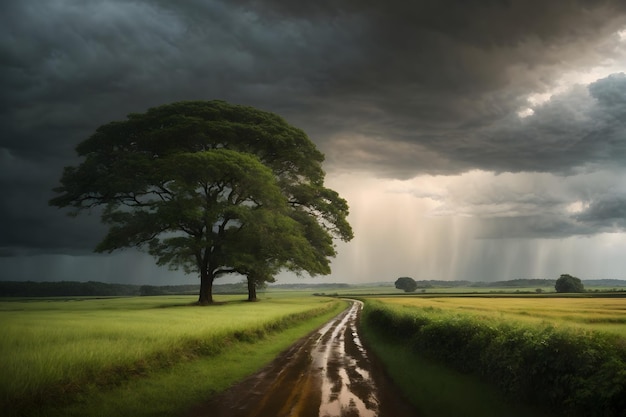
(573, 372)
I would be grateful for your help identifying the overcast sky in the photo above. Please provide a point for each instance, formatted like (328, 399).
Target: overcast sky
(473, 139)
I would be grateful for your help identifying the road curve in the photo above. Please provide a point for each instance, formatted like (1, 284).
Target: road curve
(327, 374)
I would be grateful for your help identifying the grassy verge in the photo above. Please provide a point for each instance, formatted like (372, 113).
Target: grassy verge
(158, 355)
(573, 372)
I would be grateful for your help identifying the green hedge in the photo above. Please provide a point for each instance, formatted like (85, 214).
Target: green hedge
(573, 372)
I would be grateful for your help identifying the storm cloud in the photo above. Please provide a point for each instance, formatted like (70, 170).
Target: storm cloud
(504, 118)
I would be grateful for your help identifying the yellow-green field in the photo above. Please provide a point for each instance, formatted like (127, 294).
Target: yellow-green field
(562, 354)
(604, 314)
(54, 348)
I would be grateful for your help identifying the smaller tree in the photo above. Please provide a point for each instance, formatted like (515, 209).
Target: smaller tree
(257, 280)
(407, 284)
(567, 283)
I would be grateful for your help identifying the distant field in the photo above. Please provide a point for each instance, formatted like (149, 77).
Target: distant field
(51, 347)
(390, 289)
(605, 314)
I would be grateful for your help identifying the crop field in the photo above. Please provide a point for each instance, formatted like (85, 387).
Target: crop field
(597, 313)
(564, 354)
(51, 348)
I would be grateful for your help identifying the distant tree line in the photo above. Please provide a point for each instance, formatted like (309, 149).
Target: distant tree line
(433, 283)
(522, 282)
(305, 286)
(101, 289)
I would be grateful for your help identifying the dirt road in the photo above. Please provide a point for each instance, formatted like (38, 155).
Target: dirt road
(327, 374)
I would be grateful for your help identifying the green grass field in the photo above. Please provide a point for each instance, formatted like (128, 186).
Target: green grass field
(155, 356)
(56, 350)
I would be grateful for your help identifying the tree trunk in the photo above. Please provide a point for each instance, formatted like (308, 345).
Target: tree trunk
(251, 288)
(206, 289)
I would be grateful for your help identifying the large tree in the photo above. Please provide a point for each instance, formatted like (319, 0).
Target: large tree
(211, 187)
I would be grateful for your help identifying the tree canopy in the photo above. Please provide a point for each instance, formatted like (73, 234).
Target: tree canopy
(568, 283)
(212, 188)
(407, 284)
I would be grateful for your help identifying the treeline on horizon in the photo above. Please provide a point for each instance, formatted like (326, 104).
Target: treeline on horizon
(102, 289)
(99, 289)
(521, 282)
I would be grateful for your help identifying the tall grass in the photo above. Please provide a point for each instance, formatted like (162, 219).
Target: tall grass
(575, 372)
(53, 350)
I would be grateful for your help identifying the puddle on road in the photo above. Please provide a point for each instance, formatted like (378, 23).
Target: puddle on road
(347, 389)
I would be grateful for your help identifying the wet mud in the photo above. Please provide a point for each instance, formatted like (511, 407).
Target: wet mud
(326, 374)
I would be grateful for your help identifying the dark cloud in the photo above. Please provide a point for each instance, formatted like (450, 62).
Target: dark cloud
(28, 225)
(584, 126)
(447, 78)
(391, 87)
(450, 63)
(607, 213)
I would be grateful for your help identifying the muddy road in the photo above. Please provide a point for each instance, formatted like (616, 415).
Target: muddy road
(327, 374)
